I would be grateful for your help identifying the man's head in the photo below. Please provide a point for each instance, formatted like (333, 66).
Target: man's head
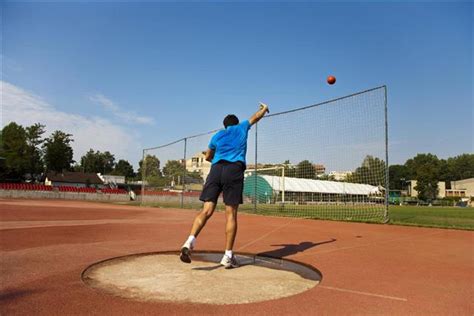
(230, 120)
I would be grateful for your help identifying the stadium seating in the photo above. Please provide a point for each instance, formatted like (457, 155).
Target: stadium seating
(25, 187)
(114, 191)
(168, 193)
(76, 189)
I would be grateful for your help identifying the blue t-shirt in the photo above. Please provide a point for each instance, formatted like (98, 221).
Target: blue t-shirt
(230, 144)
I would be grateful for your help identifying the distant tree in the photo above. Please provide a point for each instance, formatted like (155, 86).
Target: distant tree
(173, 170)
(108, 160)
(98, 162)
(34, 141)
(397, 174)
(425, 168)
(290, 171)
(14, 151)
(305, 169)
(372, 171)
(151, 167)
(457, 168)
(58, 152)
(123, 168)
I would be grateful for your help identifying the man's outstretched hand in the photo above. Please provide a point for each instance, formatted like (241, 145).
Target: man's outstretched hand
(264, 106)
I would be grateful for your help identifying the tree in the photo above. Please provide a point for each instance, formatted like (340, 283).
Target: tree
(14, 150)
(34, 141)
(123, 168)
(290, 171)
(305, 169)
(457, 168)
(98, 162)
(397, 175)
(425, 168)
(173, 170)
(58, 152)
(151, 166)
(372, 171)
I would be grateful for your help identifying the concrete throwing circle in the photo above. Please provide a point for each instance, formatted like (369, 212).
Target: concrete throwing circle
(163, 277)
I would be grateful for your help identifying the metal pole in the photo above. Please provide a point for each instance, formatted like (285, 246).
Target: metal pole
(184, 173)
(255, 176)
(386, 216)
(283, 186)
(143, 175)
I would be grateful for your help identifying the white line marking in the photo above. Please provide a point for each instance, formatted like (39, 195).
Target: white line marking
(267, 234)
(363, 293)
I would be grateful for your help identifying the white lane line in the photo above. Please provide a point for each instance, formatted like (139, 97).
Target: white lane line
(363, 293)
(267, 234)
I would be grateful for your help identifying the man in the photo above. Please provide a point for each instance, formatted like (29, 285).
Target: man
(226, 152)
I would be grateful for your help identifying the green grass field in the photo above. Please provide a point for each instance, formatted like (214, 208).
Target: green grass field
(442, 217)
(445, 217)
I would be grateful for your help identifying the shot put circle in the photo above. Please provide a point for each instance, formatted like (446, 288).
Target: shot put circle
(163, 277)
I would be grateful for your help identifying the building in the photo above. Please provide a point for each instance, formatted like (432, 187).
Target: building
(198, 163)
(411, 184)
(461, 188)
(73, 179)
(112, 180)
(319, 169)
(339, 175)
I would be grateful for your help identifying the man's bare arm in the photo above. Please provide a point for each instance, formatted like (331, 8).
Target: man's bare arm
(259, 114)
(209, 154)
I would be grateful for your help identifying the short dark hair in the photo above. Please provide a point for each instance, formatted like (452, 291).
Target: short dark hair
(230, 120)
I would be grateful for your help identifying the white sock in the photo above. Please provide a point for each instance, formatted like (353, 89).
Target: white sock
(191, 241)
(228, 253)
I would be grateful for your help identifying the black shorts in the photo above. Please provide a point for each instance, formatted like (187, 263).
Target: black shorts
(227, 177)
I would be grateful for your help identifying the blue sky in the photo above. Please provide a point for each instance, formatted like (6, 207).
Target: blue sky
(124, 76)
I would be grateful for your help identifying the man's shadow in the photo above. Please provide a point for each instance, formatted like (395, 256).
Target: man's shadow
(285, 251)
(292, 249)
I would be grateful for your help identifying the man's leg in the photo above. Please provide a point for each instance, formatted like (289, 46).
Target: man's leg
(199, 223)
(202, 217)
(229, 261)
(231, 225)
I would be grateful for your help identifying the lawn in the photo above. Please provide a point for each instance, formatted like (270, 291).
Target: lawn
(446, 217)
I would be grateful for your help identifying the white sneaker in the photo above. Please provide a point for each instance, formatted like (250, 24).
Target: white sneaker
(185, 254)
(229, 263)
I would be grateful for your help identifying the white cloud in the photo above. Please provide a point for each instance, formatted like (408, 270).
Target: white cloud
(130, 117)
(26, 108)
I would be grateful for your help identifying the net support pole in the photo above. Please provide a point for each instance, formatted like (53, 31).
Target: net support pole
(143, 175)
(386, 216)
(255, 177)
(283, 185)
(184, 173)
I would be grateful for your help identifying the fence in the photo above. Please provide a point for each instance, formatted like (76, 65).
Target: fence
(328, 160)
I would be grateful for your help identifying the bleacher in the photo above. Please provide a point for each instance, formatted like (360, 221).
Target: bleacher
(114, 191)
(64, 188)
(171, 193)
(25, 187)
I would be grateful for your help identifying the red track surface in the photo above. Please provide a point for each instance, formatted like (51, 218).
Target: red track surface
(368, 269)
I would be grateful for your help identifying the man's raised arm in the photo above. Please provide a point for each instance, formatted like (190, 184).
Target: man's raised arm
(259, 114)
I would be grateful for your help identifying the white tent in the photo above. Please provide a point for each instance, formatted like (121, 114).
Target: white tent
(319, 186)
